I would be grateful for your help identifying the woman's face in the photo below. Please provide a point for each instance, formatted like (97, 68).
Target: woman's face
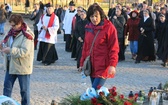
(134, 14)
(95, 18)
(15, 26)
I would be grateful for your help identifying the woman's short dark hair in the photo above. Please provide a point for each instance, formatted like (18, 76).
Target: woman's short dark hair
(16, 18)
(92, 9)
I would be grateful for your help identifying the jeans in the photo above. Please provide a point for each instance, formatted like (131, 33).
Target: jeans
(134, 47)
(97, 81)
(24, 82)
(2, 28)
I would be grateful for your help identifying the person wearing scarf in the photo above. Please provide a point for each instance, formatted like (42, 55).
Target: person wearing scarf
(18, 53)
(133, 32)
(47, 27)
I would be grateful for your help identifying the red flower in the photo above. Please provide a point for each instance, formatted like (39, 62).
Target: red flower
(121, 96)
(94, 101)
(114, 94)
(98, 87)
(101, 93)
(114, 88)
(99, 104)
(127, 103)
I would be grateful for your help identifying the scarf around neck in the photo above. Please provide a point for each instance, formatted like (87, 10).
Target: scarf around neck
(14, 33)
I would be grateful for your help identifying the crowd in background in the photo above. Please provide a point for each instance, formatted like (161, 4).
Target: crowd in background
(142, 25)
(86, 33)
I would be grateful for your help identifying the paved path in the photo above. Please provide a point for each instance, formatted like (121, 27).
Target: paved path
(61, 78)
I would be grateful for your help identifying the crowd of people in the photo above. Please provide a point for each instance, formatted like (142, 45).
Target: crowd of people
(145, 27)
(86, 33)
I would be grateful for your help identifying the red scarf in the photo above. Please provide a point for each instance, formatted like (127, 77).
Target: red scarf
(14, 33)
(49, 25)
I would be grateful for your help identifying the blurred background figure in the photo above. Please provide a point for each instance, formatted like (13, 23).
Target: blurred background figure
(36, 14)
(146, 50)
(8, 9)
(132, 31)
(62, 18)
(119, 22)
(27, 5)
(3, 16)
(80, 35)
(75, 19)
(67, 25)
(58, 10)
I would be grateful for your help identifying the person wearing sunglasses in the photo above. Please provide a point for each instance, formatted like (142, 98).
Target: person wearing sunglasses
(18, 52)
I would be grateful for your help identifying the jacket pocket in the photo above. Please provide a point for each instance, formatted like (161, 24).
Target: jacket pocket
(17, 61)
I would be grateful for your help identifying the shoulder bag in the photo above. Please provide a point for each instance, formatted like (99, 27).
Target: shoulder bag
(87, 66)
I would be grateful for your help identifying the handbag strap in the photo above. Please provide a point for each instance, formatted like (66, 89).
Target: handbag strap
(94, 41)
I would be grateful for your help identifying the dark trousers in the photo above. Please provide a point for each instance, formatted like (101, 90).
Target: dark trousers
(35, 39)
(68, 42)
(122, 49)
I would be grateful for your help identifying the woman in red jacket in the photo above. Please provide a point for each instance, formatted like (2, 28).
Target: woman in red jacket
(132, 30)
(104, 55)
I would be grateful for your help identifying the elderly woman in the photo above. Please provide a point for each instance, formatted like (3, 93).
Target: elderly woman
(18, 49)
(146, 49)
(104, 54)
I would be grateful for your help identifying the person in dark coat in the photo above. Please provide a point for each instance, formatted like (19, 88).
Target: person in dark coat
(36, 14)
(146, 49)
(57, 12)
(164, 54)
(122, 12)
(41, 5)
(62, 18)
(75, 19)
(119, 22)
(110, 11)
(160, 30)
(80, 35)
(132, 31)
(27, 5)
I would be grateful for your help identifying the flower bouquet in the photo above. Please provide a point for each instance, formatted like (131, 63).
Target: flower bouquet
(101, 96)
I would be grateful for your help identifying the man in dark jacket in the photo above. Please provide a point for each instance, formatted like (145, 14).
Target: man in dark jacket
(37, 13)
(58, 10)
(119, 22)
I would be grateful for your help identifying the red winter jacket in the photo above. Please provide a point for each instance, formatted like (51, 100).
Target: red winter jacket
(105, 49)
(133, 29)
